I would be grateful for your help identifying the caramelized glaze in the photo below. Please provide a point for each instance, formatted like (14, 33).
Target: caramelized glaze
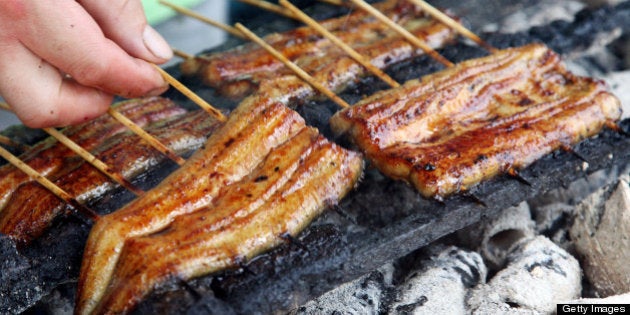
(32, 207)
(50, 156)
(231, 153)
(240, 71)
(290, 188)
(450, 130)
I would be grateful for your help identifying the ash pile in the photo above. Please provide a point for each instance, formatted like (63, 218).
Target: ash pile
(568, 246)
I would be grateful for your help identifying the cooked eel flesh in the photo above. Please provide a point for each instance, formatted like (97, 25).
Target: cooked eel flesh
(238, 72)
(50, 156)
(231, 153)
(450, 130)
(32, 208)
(279, 198)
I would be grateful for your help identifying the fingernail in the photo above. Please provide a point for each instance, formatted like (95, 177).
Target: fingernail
(156, 44)
(158, 91)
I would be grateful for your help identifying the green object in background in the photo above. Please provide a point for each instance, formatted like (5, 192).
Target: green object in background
(157, 13)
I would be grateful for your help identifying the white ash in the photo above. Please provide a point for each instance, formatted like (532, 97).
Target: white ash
(553, 212)
(438, 286)
(494, 239)
(540, 271)
(538, 276)
(540, 14)
(441, 287)
(361, 296)
(601, 235)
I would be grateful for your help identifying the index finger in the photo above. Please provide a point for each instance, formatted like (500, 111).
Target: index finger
(66, 36)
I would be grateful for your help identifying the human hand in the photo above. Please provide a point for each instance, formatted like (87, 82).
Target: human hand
(62, 62)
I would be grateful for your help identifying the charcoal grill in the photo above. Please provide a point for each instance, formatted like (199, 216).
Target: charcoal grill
(380, 221)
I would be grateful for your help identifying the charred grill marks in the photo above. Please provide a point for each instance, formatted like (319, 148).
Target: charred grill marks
(236, 226)
(31, 208)
(254, 132)
(279, 192)
(452, 129)
(241, 71)
(49, 156)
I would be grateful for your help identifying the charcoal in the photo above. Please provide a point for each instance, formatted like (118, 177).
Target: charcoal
(381, 220)
(539, 275)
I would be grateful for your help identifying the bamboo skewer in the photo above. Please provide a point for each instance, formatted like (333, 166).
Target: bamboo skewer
(155, 143)
(403, 32)
(5, 106)
(334, 2)
(202, 18)
(88, 157)
(182, 54)
(191, 95)
(62, 194)
(440, 16)
(247, 34)
(450, 22)
(269, 7)
(298, 71)
(349, 50)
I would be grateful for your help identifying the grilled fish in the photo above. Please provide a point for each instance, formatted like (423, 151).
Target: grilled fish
(239, 71)
(32, 207)
(231, 153)
(450, 130)
(292, 186)
(49, 156)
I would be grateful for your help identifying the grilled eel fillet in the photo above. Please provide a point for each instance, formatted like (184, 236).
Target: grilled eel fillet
(252, 130)
(239, 71)
(32, 207)
(295, 182)
(450, 130)
(49, 156)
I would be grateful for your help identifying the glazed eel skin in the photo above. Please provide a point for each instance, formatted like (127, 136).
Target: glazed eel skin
(446, 132)
(50, 156)
(252, 130)
(32, 208)
(239, 71)
(294, 183)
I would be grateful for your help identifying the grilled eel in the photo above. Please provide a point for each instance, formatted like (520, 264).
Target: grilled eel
(49, 156)
(239, 71)
(450, 130)
(32, 208)
(279, 198)
(252, 130)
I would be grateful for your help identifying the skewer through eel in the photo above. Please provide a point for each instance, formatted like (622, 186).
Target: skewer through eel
(435, 182)
(63, 195)
(349, 50)
(88, 157)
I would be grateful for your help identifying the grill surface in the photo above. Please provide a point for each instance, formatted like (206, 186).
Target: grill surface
(380, 221)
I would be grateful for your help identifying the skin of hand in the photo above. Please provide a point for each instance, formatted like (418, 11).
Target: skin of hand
(62, 62)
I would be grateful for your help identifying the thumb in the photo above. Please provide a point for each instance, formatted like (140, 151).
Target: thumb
(124, 22)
